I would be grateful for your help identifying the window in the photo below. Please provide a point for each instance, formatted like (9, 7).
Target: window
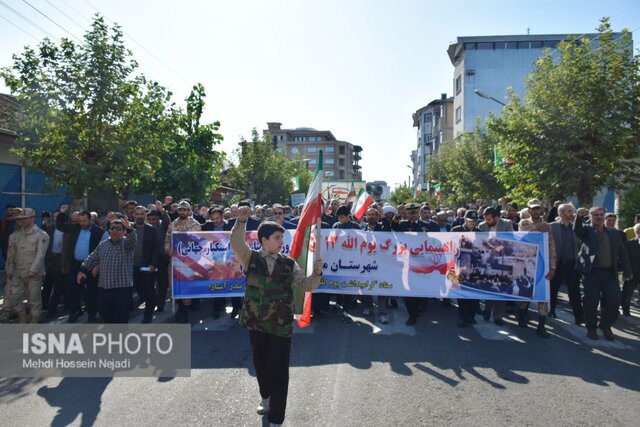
(328, 173)
(312, 161)
(470, 46)
(512, 45)
(441, 110)
(329, 149)
(470, 76)
(523, 45)
(441, 137)
(341, 150)
(329, 161)
(280, 137)
(536, 45)
(551, 43)
(340, 162)
(341, 174)
(311, 149)
(279, 150)
(458, 114)
(458, 84)
(485, 46)
(295, 150)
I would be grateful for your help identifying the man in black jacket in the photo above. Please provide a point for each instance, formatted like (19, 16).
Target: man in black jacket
(601, 254)
(145, 261)
(633, 250)
(84, 237)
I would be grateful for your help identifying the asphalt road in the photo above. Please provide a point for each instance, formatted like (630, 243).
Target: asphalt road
(367, 374)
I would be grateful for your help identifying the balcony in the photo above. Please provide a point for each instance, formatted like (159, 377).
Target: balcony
(356, 156)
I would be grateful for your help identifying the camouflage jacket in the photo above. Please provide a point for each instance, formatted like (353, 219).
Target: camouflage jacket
(268, 299)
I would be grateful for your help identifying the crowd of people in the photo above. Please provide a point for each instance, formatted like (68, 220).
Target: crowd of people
(71, 259)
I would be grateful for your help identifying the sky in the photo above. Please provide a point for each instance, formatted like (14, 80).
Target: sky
(359, 68)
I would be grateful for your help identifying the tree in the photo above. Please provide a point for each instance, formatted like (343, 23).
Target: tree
(190, 164)
(576, 130)
(264, 173)
(464, 167)
(87, 121)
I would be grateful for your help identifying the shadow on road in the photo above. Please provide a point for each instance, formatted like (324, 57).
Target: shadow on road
(75, 396)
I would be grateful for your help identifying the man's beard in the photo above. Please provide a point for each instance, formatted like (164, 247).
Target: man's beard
(140, 221)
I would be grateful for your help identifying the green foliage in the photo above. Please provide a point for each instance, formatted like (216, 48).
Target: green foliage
(404, 194)
(87, 121)
(630, 205)
(191, 164)
(576, 130)
(264, 173)
(465, 169)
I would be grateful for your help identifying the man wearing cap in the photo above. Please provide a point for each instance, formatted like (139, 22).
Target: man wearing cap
(184, 222)
(467, 307)
(602, 255)
(493, 222)
(345, 223)
(25, 266)
(536, 223)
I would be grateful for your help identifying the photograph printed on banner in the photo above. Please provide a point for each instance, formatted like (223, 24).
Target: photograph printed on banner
(497, 266)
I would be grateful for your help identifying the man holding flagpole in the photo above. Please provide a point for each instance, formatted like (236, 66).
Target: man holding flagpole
(268, 308)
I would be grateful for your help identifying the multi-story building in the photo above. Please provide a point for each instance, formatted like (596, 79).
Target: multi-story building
(435, 126)
(488, 66)
(340, 157)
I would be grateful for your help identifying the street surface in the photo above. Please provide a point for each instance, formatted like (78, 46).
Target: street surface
(367, 374)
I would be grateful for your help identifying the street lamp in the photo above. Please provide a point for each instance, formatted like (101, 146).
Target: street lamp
(481, 94)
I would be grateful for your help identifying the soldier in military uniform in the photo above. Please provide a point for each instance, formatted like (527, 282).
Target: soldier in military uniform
(25, 266)
(415, 224)
(184, 222)
(268, 308)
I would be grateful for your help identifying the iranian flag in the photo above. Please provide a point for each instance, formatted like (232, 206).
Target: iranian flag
(311, 215)
(362, 203)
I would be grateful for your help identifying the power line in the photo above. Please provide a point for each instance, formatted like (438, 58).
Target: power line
(51, 20)
(143, 47)
(67, 16)
(28, 20)
(77, 13)
(21, 29)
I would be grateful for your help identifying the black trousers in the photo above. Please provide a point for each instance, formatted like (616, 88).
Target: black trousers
(143, 283)
(75, 291)
(114, 304)
(599, 284)
(467, 309)
(271, 356)
(54, 284)
(566, 273)
(627, 292)
(162, 283)
(412, 306)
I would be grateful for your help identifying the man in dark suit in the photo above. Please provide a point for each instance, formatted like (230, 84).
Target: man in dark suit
(567, 247)
(84, 237)
(145, 261)
(601, 255)
(633, 249)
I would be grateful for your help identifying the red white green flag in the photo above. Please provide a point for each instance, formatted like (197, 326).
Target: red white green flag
(311, 212)
(362, 203)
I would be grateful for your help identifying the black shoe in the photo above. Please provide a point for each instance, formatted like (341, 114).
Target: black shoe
(486, 314)
(160, 309)
(411, 321)
(394, 303)
(522, 318)
(498, 322)
(73, 317)
(579, 320)
(234, 313)
(553, 314)
(462, 324)
(541, 330)
(626, 313)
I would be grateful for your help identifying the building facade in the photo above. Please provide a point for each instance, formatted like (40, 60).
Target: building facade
(492, 65)
(341, 159)
(434, 123)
